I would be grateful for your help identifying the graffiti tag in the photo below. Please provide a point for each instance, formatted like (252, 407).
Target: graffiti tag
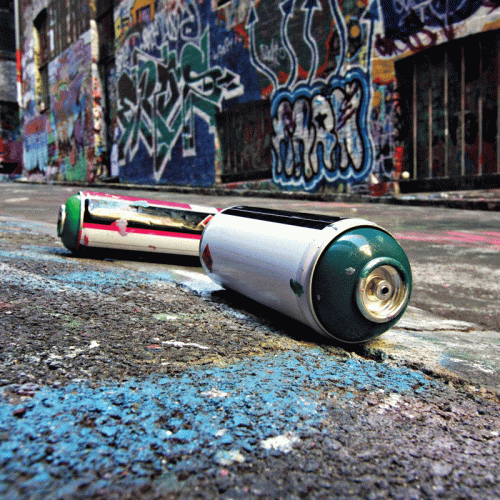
(403, 18)
(272, 53)
(157, 101)
(35, 143)
(322, 134)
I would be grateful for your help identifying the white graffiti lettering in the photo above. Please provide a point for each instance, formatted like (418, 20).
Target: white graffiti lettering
(347, 102)
(223, 48)
(304, 135)
(319, 136)
(427, 10)
(273, 53)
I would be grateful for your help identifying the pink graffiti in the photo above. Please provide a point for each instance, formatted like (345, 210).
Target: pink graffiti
(459, 237)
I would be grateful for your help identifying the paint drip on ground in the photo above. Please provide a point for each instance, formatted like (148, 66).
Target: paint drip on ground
(92, 280)
(202, 418)
(80, 282)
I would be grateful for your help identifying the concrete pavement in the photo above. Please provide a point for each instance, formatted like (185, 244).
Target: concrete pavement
(459, 351)
(487, 199)
(478, 199)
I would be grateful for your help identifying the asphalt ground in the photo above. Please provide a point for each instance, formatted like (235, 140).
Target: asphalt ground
(127, 376)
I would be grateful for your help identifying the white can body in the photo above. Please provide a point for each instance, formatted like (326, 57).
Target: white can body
(160, 242)
(270, 262)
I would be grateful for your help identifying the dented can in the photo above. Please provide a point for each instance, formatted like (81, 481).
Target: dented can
(348, 279)
(101, 220)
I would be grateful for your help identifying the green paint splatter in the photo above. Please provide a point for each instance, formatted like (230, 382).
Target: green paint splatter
(297, 288)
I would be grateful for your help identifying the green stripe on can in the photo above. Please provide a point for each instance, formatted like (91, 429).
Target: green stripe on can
(361, 284)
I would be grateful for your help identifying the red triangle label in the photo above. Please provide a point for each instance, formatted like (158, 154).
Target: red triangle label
(207, 258)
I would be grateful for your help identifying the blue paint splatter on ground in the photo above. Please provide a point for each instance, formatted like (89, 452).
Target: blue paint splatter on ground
(84, 280)
(204, 416)
(49, 254)
(97, 281)
(100, 280)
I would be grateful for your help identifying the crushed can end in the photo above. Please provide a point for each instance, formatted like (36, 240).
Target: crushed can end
(69, 222)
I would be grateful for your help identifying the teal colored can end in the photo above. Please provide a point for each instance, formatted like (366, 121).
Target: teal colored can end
(69, 222)
(361, 285)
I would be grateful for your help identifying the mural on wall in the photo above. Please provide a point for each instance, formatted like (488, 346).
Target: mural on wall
(70, 88)
(388, 129)
(168, 92)
(412, 23)
(35, 144)
(56, 141)
(35, 128)
(318, 81)
(326, 67)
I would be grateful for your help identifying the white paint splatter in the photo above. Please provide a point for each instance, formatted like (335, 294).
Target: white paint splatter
(53, 357)
(392, 401)
(165, 317)
(122, 226)
(15, 200)
(74, 352)
(228, 457)
(283, 442)
(176, 343)
(476, 366)
(193, 275)
(215, 393)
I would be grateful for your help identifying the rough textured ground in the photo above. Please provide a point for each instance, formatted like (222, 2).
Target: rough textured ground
(118, 383)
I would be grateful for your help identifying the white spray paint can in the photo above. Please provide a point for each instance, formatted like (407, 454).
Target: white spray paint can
(348, 279)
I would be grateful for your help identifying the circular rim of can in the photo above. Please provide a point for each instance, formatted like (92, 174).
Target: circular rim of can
(70, 221)
(365, 272)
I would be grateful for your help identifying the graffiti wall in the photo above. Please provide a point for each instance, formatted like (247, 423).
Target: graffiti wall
(202, 91)
(173, 77)
(316, 72)
(183, 62)
(57, 140)
(70, 140)
(34, 126)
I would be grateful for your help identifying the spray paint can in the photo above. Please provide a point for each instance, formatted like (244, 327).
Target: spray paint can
(101, 220)
(348, 279)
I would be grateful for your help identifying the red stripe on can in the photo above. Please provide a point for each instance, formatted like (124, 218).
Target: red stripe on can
(152, 232)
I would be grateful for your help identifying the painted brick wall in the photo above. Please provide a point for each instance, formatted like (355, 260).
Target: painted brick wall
(187, 75)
